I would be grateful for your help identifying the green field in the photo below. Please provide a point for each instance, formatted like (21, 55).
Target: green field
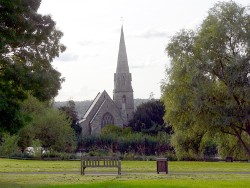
(31, 173)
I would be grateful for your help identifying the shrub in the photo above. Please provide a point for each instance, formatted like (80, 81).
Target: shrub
(9, 146)
(136, 143)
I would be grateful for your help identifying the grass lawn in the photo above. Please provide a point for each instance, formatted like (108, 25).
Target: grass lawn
(41, 174)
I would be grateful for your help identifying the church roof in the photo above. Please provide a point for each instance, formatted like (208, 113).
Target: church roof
(92, 105)
(97, 104)
(122, 62)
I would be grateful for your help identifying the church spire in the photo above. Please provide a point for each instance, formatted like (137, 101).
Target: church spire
(122, 62)
(123, 91)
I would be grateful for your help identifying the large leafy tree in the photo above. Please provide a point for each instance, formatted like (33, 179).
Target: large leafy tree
(29, 42)
(208, 87)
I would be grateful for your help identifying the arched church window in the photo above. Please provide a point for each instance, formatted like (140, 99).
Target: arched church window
(107, 119)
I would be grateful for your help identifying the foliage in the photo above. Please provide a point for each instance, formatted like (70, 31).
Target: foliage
(10, 120)
(52, 155)
(111, 129)
(28, 43)
(9, 145)
(229, 146)
(37, 147)
(134, 143)
(54, 131)
(148, 118)
(50, 126)
(208, 88)
(70, 111)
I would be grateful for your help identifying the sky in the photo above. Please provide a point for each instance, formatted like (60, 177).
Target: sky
(92, 32)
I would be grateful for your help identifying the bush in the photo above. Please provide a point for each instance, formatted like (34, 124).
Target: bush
(54, 155)
(48, 125)
(9, 146)
(137, 143)
(111, 129)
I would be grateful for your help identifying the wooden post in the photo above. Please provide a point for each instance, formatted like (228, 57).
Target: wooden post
(81, 164)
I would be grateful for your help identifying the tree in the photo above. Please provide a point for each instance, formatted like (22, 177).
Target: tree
(54, 131)
(70, 111)
(46, 124)
(148, 118)
(9, 145)
(28, 43)
(209, 80)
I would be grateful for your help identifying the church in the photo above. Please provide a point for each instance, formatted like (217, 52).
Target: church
(105, 111)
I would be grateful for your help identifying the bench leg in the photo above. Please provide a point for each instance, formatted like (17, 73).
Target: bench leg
(82, 171)
(119, 167)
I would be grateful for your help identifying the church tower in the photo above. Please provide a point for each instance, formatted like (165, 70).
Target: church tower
(123, 91)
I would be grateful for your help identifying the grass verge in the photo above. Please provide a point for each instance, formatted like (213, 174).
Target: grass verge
(28, 174)
(129, 180)
(12, 165)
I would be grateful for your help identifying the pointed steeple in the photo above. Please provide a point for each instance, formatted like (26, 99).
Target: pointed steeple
(122, 62)
(123, 91)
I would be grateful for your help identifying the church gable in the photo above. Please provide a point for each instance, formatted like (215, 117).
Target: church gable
(108, 113)
(101, 112)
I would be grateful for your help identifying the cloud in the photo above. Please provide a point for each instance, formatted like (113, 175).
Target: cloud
(142, 65)
(148, 63)
(152, 33)
(68, 57)
(90, 55)
(194, 24)
(137, 66)
(90, 42)
(84, 43)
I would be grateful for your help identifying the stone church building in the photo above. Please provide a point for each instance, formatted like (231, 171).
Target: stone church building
(105, 111)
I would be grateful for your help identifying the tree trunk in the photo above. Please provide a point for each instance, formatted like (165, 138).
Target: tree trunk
(242, 142)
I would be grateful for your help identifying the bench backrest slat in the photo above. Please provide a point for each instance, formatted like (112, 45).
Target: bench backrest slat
(100, 162)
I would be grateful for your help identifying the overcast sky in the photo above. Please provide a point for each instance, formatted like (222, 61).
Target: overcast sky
(92, 31)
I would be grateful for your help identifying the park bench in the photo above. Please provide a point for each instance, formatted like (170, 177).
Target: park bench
(96, 162)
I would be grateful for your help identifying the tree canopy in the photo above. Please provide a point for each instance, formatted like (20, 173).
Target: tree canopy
(208, 87)
(29, 42)
(148, 118)
(70, 111)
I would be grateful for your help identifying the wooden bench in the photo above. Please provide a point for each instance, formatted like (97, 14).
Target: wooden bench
(96, 162)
